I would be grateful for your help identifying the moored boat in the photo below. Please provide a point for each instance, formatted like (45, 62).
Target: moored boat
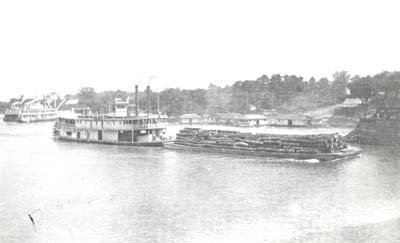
(32, 110)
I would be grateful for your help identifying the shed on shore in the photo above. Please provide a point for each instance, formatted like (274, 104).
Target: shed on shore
(290, 120)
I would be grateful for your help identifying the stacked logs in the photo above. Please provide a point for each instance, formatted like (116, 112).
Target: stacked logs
(311, 144)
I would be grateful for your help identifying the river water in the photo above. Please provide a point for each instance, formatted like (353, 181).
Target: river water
(78, 192)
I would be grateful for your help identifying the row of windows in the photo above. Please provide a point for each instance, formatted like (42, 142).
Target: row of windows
(124, 122)
(68, 121)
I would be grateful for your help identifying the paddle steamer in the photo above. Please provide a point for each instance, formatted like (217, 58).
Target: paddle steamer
(120, 126)
(32, 110)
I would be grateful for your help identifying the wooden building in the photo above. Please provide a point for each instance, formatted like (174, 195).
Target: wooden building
(191, 119)
(290, 120)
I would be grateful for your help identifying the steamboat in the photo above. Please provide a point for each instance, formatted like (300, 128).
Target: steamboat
(120, 126)
(32, 110)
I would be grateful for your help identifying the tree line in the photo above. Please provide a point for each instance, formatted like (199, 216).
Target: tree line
(284, 93)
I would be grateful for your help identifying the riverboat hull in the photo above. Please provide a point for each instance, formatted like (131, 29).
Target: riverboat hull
(142, 144)
(24, 117)
(349, 152)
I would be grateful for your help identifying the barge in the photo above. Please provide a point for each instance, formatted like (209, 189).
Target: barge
(120, 126)
(322, 147)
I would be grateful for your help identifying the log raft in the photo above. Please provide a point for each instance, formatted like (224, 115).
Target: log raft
(320, 146)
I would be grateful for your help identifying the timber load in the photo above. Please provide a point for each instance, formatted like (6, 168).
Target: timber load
(318, 146)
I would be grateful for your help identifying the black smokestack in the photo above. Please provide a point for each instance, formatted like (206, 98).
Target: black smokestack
(148, 100)
(136, 100)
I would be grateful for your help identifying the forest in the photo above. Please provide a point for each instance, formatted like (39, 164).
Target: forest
(284, 93)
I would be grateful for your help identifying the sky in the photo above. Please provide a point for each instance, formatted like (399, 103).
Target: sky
(60, 46)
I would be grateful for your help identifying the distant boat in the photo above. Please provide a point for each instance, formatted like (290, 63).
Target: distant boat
(31, 110)
(121, 126)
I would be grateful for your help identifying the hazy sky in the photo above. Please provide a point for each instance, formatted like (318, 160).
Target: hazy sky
(63, 45)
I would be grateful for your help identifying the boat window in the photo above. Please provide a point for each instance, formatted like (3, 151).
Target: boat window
(99, 135)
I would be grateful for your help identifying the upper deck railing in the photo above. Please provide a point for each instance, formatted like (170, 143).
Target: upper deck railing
(113, 123)
(28, 111)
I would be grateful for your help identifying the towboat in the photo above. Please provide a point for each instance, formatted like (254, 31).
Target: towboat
(120, 126)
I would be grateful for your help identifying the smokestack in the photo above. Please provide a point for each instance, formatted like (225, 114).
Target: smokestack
(158, 104)
(148, 100)
(136, 100)
(45, 102)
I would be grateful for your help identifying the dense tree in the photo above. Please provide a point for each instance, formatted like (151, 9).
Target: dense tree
(361, 88)
(171, 101)
(339, 86)
(218, 99)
